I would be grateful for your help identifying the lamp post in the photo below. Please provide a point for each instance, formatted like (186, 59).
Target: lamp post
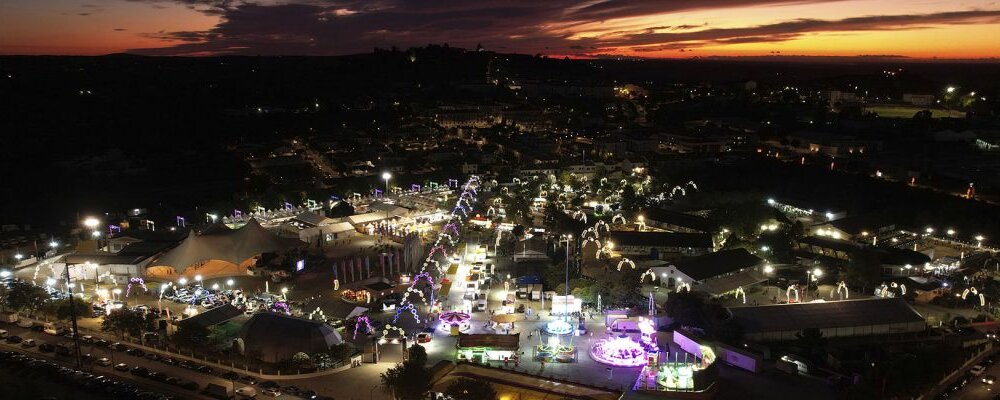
(813, 275)
(979, 240)
(284, 293)
(386, 176)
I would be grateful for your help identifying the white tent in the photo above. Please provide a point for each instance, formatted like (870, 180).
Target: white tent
(234, 246)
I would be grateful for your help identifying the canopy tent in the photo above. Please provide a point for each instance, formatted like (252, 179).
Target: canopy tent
(234, 246)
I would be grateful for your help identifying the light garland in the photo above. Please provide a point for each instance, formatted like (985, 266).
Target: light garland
(367, 325)
(650, 274)
(128, 289)
(411, 308)
(619, 217)
(625, 261)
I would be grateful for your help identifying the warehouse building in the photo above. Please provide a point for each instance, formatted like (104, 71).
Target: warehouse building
(865, 317)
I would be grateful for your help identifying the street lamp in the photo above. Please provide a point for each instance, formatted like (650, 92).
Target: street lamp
(18, 256)
(182, 281)
(979, 238)
(929, 230)
(215, 286)
(385, 177)
(951, 232)
(229, 282)
(53, 244)
(117, 292)
(197, 278)
(91, 222)
(284, 293)
(768, 269)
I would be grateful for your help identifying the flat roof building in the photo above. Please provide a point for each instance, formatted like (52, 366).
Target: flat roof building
(864, 317)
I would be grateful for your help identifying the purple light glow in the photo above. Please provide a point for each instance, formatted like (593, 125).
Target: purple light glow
(619, 352)
(368, 325)
(455, 317)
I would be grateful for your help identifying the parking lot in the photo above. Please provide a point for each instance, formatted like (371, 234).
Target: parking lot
(177, 378)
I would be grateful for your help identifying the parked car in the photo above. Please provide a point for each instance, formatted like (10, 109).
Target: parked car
(121, 367)
(14, 339)
(246, 392)
(46, 347)
(157, 376)
(989, 379)
(140, 371)
(135, 352)
(269, 384)
(273, 392)
(28, 343)
(423, 337)
(977, 370)
(103, 361)
(63, 349)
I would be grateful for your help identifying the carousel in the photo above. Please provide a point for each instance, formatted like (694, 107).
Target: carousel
(619, 351)
(555, 351)
(454, 322)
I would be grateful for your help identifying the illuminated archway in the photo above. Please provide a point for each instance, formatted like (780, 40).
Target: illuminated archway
(788, 294)
(650, 274)
(625, 261)
(128, 289)
(974, 292)
(409, 307)
(601, 224)
(841, 290)
(618, 219)
(740, 292)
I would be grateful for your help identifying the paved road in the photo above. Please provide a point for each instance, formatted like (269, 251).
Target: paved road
(120, 357)
(977, 390)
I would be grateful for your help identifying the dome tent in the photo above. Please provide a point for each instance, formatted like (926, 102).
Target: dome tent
(272, 337)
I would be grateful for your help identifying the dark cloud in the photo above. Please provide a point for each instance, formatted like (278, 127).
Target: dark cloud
(790, 29)
(327, 27)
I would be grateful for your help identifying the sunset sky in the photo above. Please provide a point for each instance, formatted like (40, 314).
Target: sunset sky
(646, 28)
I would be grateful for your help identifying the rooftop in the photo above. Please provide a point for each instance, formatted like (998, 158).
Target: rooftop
(507, 342)
(661, 239)
(822, 315)
(680, 219)
(715, 264)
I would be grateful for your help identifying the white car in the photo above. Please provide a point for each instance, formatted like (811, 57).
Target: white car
(246, 391)
(273, 392)
(977, 370)
(104, 361)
